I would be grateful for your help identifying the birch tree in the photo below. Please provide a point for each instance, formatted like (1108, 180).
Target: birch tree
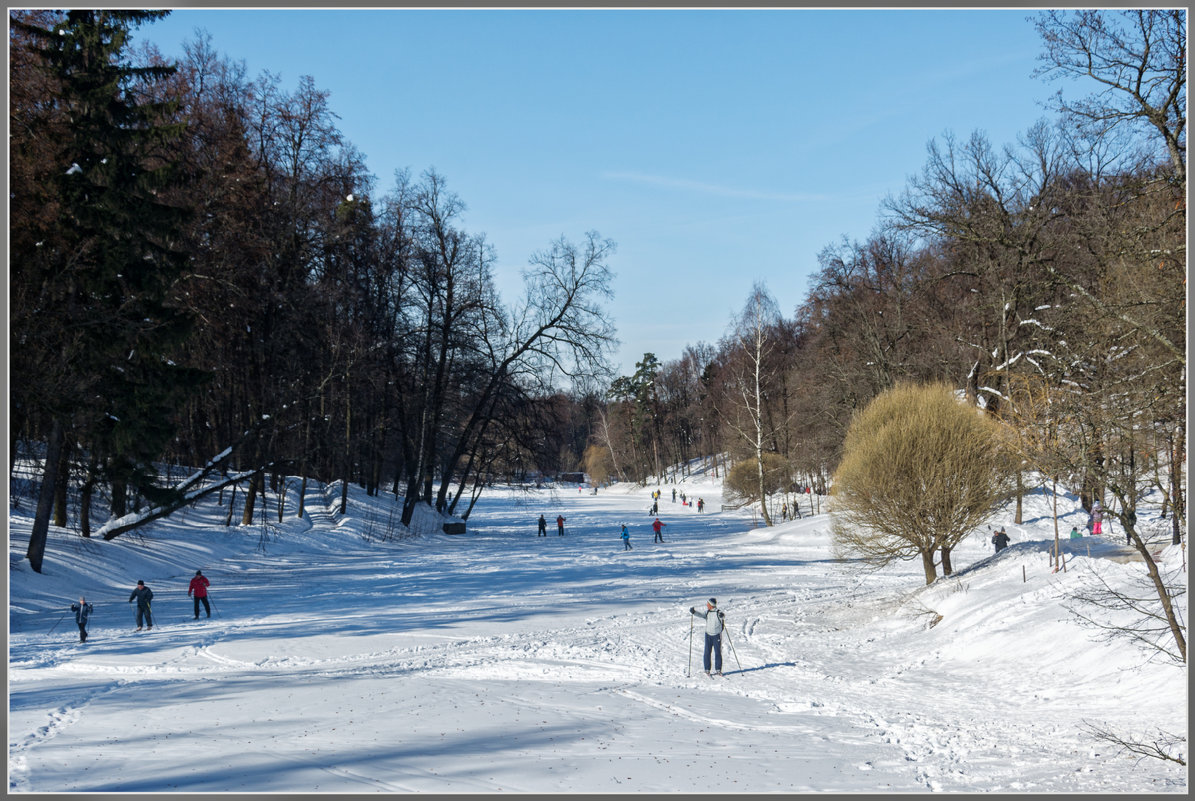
(752, 367)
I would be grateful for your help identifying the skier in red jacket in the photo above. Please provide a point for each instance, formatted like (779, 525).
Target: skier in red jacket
(658, 527)
(198, 591)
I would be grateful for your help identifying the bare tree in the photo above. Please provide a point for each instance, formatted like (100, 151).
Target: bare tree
(989, 212)
(1138, 58)
(560, 329)
(752, 367)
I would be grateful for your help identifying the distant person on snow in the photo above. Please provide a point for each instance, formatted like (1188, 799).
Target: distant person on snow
(1075, 533)
(198, 591)
(714, 620)
(626, 538)
(543, 526)
(1000, 540)
(560, 526)
(82, 612)
(143, 595)
(701, 504)
(658, 527)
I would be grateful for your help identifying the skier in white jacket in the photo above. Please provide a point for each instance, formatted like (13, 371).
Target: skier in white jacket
(713, 634)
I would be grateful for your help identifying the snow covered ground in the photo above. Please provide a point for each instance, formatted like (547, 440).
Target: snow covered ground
(342, 658)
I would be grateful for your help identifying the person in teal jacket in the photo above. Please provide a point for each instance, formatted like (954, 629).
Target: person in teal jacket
(626, 538)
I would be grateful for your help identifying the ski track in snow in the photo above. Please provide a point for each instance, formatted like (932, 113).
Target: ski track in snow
(819, 658)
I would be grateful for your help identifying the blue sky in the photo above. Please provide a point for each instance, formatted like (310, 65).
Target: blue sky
(716, 147)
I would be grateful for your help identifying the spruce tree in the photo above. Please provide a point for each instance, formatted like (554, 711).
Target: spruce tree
(101, 274)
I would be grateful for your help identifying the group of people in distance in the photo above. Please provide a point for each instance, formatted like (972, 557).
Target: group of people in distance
(657, 527)
(685, 500)
(143, 595)
(1095, 526)
(543, 526)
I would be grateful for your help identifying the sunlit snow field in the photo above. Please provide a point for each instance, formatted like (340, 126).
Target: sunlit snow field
(342, 657)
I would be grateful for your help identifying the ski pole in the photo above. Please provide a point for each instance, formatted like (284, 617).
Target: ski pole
(689, 671)
(736, 656)
(213, 603)
(56, 622)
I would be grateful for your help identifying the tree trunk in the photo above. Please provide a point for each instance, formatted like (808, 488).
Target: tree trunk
(1057, 546)
(1176, 628)
(62, 483)
(1176, 482)
(348, 446)
(410, 499)
(927, 562)
(946, 567)
(120, 498)
(232, 497)
(85, 505)
(45, 500)
(256, 484)
(1020, 497)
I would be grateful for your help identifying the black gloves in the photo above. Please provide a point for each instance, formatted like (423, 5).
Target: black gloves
(692, 610)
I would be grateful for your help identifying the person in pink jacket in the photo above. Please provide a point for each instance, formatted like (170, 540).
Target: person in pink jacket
(198, 591)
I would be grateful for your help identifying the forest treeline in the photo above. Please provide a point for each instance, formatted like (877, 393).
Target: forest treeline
(1044, 278)
(203, 274)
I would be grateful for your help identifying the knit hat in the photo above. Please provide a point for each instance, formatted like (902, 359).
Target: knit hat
(713, 601)
(140, 583)
(199, 572)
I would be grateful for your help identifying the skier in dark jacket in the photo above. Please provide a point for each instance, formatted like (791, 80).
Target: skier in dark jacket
(543, 526)
(714, 620)
(82, 612)
(143, 595)
(1000, 540)
(198, 591)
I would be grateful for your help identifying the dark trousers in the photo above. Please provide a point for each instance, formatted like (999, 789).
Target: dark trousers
(206, 606)
(82, 632)
(626, 545)
(659, 536)
(143, 616)
(713, 642)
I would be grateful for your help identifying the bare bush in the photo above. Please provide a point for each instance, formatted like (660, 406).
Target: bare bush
(920, 470)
